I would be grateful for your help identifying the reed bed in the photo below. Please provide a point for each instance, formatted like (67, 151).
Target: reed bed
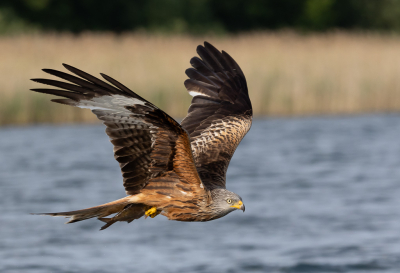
(287, 73)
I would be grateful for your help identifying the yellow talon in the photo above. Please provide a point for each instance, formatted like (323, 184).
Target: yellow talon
(152, 212)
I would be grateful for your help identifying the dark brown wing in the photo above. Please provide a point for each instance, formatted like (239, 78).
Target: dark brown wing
(152, 149)
(220, 114)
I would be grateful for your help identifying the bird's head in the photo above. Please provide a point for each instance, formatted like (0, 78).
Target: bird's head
(225, 201)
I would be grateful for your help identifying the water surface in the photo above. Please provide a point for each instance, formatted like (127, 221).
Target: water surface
(321, 195)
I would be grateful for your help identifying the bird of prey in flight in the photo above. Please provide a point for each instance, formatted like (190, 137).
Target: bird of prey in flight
(177, 170)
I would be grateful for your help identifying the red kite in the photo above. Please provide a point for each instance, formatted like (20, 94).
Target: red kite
(178, 170)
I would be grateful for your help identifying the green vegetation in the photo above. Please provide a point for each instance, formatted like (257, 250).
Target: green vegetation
(287, 73)
(197, 16)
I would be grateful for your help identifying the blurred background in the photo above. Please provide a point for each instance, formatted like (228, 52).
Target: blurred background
(319, 170)
(301, 57)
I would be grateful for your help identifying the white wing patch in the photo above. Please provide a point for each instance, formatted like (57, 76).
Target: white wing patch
(111, 108)
(195, 93)
(82, 104)
(113, 102)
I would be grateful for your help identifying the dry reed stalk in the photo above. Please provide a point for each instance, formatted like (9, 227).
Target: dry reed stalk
(287, 73)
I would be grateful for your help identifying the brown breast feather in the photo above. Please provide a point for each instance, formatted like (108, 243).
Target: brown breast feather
(153, 150)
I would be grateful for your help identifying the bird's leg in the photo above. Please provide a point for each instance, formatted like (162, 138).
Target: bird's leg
(152, 212)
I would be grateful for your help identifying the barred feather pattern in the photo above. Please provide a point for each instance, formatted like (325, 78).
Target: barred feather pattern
(177, 169)
(220, 114)
(144, 137)
(214, 147)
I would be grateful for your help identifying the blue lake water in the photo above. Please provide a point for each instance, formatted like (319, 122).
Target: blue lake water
(321, 194)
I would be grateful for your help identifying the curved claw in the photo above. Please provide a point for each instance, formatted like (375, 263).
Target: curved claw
(152, 212)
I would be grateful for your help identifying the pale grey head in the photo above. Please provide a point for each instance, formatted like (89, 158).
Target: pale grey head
(225, 201)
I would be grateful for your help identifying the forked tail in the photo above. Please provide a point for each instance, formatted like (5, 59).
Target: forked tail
(121, 206)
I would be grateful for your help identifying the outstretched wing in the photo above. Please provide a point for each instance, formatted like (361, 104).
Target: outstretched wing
(152, 149)
(220, 114)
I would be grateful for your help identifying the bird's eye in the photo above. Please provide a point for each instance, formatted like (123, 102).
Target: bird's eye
(229, 201)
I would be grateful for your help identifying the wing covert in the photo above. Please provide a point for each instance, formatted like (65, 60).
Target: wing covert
(152, 149)
(220, 114)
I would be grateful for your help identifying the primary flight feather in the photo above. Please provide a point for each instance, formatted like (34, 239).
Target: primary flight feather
(178, 170)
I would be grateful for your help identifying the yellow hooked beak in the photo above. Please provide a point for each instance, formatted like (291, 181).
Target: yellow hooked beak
(239, 205)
